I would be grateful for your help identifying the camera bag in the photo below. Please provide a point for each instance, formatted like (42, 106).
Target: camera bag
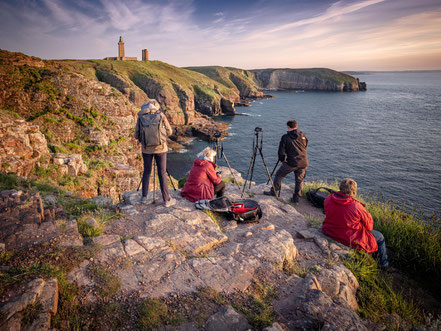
(245, 210)
(317, 197)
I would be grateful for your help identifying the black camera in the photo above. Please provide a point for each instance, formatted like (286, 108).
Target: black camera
(217, 135)
(257, 129)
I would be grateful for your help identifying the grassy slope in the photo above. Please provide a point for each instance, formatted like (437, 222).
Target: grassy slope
(162, 72)
(223, 76)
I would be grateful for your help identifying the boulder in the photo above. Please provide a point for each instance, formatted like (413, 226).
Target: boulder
(227, 319)
(22, 146)
(71, 163)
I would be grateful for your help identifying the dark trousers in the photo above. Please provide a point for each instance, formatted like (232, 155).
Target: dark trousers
(285, 170)
(382, 254)
(161, 163)
(219, 189)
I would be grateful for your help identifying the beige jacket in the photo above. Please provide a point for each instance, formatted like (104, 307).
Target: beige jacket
(157, 149)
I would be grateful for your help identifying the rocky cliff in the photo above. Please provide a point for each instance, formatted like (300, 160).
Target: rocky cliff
(86, 110)
(320, 79)
(250, 83)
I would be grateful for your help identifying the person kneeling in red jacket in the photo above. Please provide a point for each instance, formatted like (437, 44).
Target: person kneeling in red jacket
(348, 222)
(203, 181)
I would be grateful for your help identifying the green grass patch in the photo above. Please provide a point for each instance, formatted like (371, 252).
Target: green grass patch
(414, 243)
(152, 313)
(77, 208)
(30, 313)
(87, 230)
(293, 267)
(107, 285)
(258, 309)
(375, 296)
(8, 182)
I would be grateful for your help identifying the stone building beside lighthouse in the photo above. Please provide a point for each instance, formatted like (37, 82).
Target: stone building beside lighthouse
(121, 54)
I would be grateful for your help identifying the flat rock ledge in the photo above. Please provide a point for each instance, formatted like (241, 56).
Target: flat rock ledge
(158, 252)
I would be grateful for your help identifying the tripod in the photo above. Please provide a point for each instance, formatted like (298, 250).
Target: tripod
(221, 155)
(257, 146)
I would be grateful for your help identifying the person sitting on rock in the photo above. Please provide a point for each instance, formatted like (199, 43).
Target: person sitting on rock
(203, 182)
(348, 222)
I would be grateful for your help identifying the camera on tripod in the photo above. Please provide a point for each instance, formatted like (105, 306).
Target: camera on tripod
(257, 129)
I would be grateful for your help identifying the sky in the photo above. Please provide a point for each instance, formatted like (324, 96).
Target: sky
(342, 35)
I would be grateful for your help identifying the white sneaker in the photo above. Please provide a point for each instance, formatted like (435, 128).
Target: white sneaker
(170, 202)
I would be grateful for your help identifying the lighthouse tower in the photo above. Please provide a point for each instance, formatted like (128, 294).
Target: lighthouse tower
(121, 48)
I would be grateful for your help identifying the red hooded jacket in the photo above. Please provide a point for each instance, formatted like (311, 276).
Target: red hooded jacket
(201, 181)
(348, 222)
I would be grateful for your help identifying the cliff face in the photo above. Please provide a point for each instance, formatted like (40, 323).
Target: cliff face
(320, 79)
(241, 81)
(87, 110)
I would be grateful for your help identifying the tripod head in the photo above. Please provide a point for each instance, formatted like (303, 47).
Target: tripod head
(219, 147)
(257, 132)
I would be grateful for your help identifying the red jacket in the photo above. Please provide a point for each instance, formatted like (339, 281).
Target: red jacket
(201, 181)
(348, 222)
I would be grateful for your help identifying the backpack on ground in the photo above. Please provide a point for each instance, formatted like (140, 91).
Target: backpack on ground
(245, 210)
(317, 197)
(152, 130)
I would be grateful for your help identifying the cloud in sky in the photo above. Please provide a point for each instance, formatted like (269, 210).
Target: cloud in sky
(344, 35)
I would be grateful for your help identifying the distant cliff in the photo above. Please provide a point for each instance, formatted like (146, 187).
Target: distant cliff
(319, 79)
(250, 83)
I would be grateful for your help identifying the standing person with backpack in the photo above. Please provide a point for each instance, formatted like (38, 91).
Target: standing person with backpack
(292, 154)
(152, 130)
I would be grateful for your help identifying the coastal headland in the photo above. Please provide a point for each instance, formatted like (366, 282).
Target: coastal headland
(76, 117)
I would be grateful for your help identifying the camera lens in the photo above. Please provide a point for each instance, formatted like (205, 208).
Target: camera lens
(257, 129)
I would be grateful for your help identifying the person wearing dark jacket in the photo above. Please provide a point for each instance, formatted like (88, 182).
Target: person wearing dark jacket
(292, 154)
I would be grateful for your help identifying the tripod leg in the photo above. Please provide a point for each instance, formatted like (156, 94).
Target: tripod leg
(228, 164)
(171, 181)
(272, 172)
(248, 173)
(154, 181)
(139, 186)
(267, 171)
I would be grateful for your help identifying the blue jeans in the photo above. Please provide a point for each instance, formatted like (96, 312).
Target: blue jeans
(384, 263)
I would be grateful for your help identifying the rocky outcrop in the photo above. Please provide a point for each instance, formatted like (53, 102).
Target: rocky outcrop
(22, 146)
(70, 164)
(39, 295)
(305, 79)
(246, 88)
(20, 59)
(26, 222)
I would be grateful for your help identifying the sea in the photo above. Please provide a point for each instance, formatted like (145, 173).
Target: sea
(387, 138)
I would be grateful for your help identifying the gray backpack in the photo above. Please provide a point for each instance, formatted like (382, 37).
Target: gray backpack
(152, 131)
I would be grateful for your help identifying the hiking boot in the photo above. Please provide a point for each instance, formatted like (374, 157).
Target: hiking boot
(270, 193)
(144, 200)
(170, 203)
(295, 199)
